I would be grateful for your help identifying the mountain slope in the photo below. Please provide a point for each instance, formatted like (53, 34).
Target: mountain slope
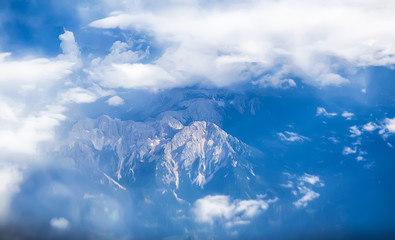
(162, 152)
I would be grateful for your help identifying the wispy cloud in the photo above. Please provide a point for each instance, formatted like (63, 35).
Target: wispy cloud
(348, 115)
(292, 137)
(302, 187)
(322, 112)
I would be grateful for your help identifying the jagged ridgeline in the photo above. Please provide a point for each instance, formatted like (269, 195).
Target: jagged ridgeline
(165, 156)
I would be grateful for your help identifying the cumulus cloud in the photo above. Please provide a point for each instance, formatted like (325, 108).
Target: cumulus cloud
(348, 115)
(59, 223)
(348, 150)
(292, 137)
(29, 109)
(369, 127)
(223, 44)
(28, 132)
(115, 101)
(27, 74)
(302, 187)
(354, 130)
(121, 69)
(222, 209)
(388, 127)
(322, 112)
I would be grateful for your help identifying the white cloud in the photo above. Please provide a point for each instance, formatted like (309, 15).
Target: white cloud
(35, 71)
(69, 47)
(292, 137)
(348, 115)
(25, 135)
(28, 74)
(359, 158)
(78, 95)
(29, 110)
(322, 112)
(311, 179)
(348, 151)
(369, 127)
(227, 43)
(333, 139)
(121, 69)
(303, 188)
(120, 52)
(220, 208)
(388, 127)
(10, 176)
(9, 109)
(354, 130)
(115, 101)
(137, 76)
(308, 196)
(59, 223)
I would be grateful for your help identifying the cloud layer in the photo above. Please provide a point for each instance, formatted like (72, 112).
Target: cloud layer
(265, 41)
(29, 110)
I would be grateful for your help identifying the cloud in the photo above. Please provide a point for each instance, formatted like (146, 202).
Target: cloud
(348, 115)
(322, 112)
(10, 176)
(354, 130)
(82, 95)
(28, 74)
(388, 127)
(121, 69)
(133, 76)
(30, 110)
(69, 47)
(292, 137)
(24, 135)
(302, 187)
(369, 127)
(78, 95)
(234, 42)
(348, 150)
(221, 209)
(59, 223)
(311, 179)
(308, 196)
(115, 101)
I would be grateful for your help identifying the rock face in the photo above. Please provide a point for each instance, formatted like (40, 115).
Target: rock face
(163, 151)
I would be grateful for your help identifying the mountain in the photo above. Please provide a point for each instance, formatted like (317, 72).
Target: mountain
(162, 153)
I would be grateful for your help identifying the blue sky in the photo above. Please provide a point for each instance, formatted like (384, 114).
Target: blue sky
(323, 73)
